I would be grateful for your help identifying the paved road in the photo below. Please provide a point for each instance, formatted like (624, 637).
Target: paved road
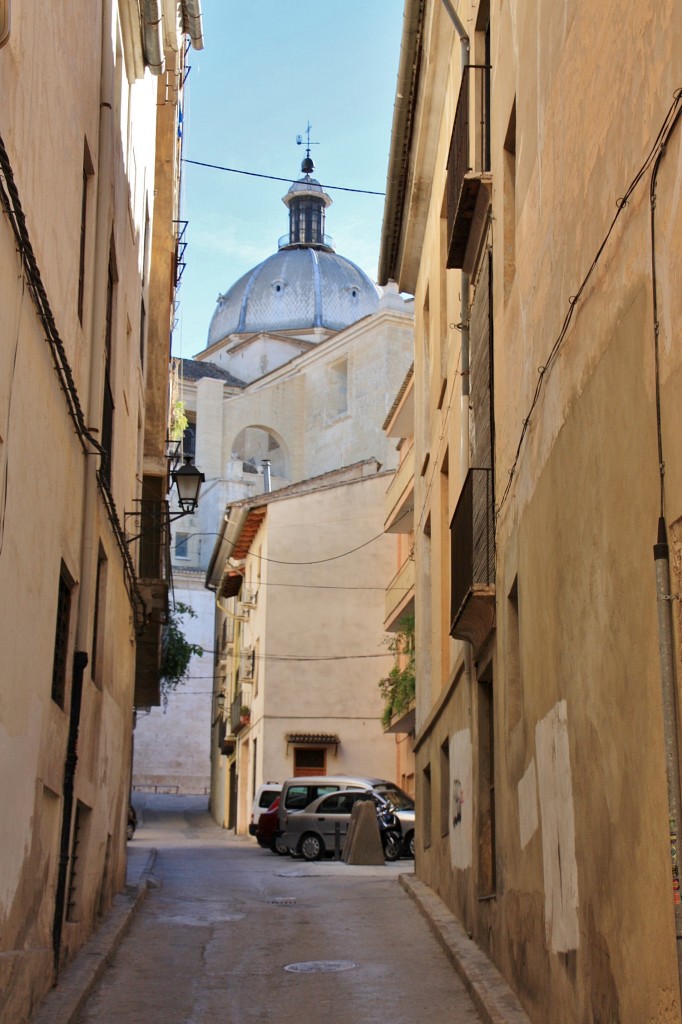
(214, 941)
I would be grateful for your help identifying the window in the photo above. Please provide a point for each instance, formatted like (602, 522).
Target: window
(182, 545)
(61, 640)
(77, 876)
(99, 623)
(143, 330)
(296, 798)
(514, 685)
(88, 171)
(310, 761)
(108, 394)
(338, 803)
(509, 204)
(337, 390)
(307, 221)
(426, 807)
(486, 787)
(153, 528)
(256, 657)
(445, 788)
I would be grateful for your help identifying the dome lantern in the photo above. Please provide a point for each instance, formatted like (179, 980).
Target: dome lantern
(307, 202)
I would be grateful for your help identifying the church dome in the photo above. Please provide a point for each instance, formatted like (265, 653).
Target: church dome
(304, 285)
(293, 290)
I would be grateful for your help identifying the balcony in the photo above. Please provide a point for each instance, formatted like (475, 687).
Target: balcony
(400, 596)
(238, 718)
(472, 543)
(400, 497)
(151, 519)
(469, 182)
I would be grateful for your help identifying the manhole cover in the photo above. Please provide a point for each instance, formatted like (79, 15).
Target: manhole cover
(310, 966)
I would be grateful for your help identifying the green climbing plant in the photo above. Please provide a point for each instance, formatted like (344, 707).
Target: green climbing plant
(176, 651)
(398, 687)
(179, 421)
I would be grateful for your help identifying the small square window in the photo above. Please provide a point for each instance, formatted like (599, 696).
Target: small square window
(310, 761)
(182, 545)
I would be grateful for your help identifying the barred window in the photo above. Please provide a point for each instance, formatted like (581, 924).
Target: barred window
(61, 640)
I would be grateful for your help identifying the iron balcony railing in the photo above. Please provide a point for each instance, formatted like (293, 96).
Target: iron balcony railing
(469, 152)
(326, 241)
(472, 542)
(154, 539)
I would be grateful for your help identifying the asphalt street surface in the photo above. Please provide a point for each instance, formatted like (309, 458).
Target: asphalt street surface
(234, 934)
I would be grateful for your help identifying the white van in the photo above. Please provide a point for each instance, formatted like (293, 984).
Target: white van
(263, 799)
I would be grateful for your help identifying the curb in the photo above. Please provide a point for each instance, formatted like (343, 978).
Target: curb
(493, 998)
(76, 981)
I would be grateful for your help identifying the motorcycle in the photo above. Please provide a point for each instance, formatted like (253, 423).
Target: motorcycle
(390, 832)
(132, 823)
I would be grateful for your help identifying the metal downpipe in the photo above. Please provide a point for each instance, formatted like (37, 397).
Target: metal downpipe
(670, 724)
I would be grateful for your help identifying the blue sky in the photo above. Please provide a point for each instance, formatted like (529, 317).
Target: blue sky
(268, 68)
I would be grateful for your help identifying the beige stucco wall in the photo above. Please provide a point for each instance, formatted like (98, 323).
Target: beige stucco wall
(292, 405)
(294, 402)
(581, 918)
(317, 629)
(51, 510)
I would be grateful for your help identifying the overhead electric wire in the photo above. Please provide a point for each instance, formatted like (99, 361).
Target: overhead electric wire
(316, 561)
(272, 177)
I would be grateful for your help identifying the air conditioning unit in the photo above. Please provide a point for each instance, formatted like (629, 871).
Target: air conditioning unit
(247, 666)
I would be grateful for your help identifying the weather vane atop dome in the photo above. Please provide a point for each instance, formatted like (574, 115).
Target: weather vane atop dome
(307, 166)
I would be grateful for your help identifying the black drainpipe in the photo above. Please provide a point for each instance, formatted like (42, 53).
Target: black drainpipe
(80, 660)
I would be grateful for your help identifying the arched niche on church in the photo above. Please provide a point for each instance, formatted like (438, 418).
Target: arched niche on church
(255, 444)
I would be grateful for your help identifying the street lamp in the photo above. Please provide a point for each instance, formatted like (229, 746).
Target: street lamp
(188, 480)
(155, 515)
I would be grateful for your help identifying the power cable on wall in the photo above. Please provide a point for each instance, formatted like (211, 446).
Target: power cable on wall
(656, 151)
(5, 481)
(654, 292)
(11, 204)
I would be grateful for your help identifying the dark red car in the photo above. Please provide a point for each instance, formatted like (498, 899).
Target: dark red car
(267, 829)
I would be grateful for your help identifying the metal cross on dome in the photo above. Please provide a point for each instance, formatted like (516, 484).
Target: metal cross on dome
(308, 144)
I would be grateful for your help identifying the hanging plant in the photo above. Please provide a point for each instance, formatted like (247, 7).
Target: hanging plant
(176, 651)
(398, 687)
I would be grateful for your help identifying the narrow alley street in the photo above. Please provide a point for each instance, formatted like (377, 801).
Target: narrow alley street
(233, 933)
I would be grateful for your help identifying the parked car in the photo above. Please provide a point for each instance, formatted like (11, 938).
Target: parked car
(268, 834)
(314, 832)
(299, 792)
(263, 799)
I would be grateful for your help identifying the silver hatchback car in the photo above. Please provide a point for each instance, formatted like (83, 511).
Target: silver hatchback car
(316, 830)
(299, 793)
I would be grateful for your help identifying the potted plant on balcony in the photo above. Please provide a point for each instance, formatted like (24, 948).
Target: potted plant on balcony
(245, 715)
(398, 687)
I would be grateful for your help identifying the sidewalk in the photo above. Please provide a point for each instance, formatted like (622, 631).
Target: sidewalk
(492, 997)
(77, 980)
(489, 992)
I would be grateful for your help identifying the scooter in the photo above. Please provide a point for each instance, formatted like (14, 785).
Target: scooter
(390, 833)
(132, 823)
